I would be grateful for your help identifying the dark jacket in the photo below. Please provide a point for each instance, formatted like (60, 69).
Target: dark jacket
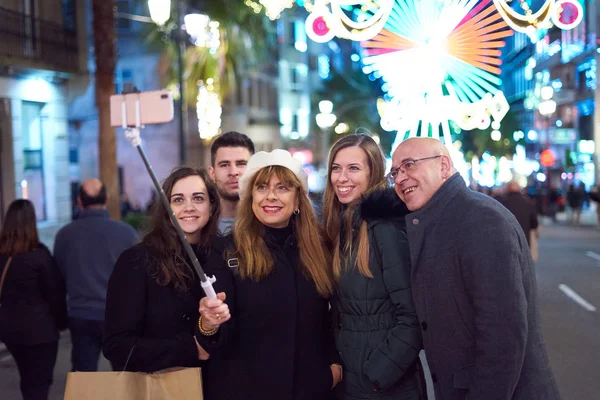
(474, 288)
(278, 344)
(158, 320)
(376, 328)
(33, 299)
(523, 210)
(86, 251)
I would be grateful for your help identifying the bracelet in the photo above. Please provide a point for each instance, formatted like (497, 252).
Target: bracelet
(204, 331)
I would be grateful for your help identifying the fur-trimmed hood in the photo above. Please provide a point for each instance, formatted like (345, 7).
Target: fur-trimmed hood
(382, 204)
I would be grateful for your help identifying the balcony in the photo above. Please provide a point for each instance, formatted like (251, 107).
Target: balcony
(30, 42)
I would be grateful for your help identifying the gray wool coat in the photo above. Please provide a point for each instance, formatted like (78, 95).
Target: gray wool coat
(474, 288)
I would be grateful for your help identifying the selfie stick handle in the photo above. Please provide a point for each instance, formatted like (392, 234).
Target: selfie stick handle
(133, 135)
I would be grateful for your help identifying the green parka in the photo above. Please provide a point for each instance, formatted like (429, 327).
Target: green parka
(375, 324)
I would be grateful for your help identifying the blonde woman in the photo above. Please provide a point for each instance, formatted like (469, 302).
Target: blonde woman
(269, 333)
(375, 324)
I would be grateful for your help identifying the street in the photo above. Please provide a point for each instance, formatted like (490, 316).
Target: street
(568, 274)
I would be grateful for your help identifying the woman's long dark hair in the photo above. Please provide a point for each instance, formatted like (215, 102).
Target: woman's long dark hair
(166, 249)
(19, 232)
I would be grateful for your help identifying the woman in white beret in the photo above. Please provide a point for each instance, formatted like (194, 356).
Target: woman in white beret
(268, 333)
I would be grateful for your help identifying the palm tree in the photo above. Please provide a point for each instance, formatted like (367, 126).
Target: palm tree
(247, 43)
(104, 53)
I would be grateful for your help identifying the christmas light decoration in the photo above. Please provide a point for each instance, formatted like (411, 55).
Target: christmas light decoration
(355, 20)
(273, 8)
(440, 62)
(208, 110)
(565, 14)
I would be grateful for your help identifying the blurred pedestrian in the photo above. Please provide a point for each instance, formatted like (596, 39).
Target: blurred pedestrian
(554, 202)
(125, 204)
(575, 198)
(521, 207)
(153, 293)
(86, 251)
(473, 283)
(595, 196)
(269, 333)
(229, 155)
(376, 328)
(32, 301)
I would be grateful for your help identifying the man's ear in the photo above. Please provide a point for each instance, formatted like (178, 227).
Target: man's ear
(211, 173)
(446, 167)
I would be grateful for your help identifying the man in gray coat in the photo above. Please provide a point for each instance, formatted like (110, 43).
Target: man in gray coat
(473, 283)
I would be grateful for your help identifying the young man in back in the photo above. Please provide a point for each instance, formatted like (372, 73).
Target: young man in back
(229, 155)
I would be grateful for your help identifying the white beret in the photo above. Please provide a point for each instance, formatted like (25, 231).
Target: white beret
(264, 159)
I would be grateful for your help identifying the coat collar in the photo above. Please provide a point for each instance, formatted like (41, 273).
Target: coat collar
(93, 213)
(436, 206)
(382, 204)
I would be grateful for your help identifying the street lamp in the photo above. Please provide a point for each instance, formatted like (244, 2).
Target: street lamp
(325, 120)
(160, 11)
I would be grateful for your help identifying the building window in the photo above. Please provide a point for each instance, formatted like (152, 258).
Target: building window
(123, 80)
(32, 185)
(69, 14)
(123, 24)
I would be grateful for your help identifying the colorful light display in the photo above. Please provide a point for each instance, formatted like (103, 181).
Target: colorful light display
(440, 62)
(565, 14)
(348, 19)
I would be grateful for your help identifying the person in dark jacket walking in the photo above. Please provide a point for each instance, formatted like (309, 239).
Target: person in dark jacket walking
(86, 251)
(473, 283)
(375, 323)
(521, 207)
(32, 301)
(269, 334)
(153, 292)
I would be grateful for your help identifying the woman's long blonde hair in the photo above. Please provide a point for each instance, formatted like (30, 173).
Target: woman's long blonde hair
(255, 261)
(334, 217)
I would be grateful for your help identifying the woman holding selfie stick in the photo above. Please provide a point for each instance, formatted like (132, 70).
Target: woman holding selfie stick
(269, 332)
(153, 292)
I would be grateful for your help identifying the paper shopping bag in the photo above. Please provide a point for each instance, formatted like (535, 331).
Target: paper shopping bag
(183, 384)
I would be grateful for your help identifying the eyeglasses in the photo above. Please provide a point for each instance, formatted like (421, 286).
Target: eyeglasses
(406, 167)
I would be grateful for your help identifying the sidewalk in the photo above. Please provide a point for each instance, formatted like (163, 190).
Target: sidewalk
(9, 375)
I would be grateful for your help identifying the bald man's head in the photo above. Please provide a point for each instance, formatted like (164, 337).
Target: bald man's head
(513, 187)
(92, 193)
(421, 166)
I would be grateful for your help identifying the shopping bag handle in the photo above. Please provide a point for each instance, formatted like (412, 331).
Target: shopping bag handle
(129, 356)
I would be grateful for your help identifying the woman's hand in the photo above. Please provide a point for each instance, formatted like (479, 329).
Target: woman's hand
(336, 371)
(202, 354)
(214, 312)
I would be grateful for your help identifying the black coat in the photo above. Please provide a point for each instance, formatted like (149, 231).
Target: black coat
(375, 322)
(33, 299)
(523, 209)
(473, 283)
(158, 320)
(277, 344)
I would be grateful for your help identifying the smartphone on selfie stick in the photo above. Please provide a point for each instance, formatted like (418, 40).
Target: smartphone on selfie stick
(132, 111)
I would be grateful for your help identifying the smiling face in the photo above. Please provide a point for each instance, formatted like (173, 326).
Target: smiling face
(415, 186)
(230, 164)
(190, 203)
(273, 201)
(350, 174)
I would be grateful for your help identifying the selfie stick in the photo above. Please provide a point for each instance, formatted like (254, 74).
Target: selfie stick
(133, 135)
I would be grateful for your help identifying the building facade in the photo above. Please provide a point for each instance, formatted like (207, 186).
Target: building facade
(41, 56)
